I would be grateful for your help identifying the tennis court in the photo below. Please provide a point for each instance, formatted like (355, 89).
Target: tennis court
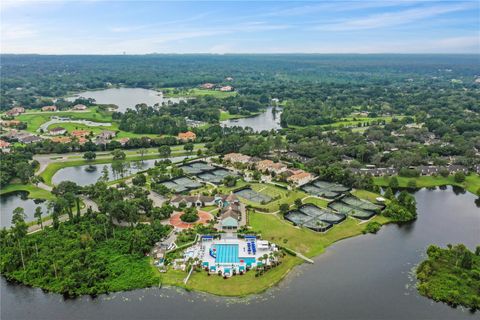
(362, 204)
(314, 223)
(253, 196)
(325, 189)
(346, 209)
(181, 184)
(215, 176)
(334, 187)
(325, 215)
(196, 168)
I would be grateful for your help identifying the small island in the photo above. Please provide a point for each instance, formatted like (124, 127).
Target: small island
(451, 275)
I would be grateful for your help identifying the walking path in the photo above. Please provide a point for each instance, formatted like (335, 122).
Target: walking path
(88, 204)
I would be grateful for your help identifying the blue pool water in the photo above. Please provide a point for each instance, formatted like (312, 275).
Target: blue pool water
(248, 261)
(227, 253)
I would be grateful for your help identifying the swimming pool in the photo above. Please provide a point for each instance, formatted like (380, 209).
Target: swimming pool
(226, 253)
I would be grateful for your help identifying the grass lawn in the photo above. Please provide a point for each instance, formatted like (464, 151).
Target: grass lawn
(234, 286)
(33, 191)
(471, 183)
(367, 195)
(349, 122)
(322, 203)
(310, 243)
(35, 119)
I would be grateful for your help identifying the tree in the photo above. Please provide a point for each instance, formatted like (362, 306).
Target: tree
(284, 208)
(139, 180)
(118, 155)
(459, 177)
(467, 260)
(443, 172)
(230, 181)
(89, 155)
(393, 183)
(190, 215)
(19, 229)
(164, 151)
(188, 147)
(38, 214)
(298, 202)
(389, 193)
(142, 153)
(24, 171)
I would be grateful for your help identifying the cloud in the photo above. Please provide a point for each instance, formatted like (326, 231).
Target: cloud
(17, 32)
(338, 6)
(390, 19)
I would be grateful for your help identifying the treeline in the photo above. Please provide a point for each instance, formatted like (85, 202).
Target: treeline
(88, 254)
(26, 77)
(16, 166)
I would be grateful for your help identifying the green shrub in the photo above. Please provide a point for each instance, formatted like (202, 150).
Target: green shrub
(372, 227)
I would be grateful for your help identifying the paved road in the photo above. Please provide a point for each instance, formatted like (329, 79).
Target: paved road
(46, 159)
(89, 203)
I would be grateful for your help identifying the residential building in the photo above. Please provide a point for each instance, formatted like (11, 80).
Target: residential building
(187, 136)
(11, 123)
(27, 139)
(123, 141)
(300, 177)
(207, 86)
(270, 166)
(15, 111)
(107, 134)
(226, 88)
(49, 108)
(57, 131)
(80, 133)
(4, 146)
(61, 139)
(236, 158)
(79, 107)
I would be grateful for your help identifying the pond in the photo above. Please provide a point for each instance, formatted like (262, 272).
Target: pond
(10, 201)
(126, 98)
(267, 120)
(84, 175)
(366, 277)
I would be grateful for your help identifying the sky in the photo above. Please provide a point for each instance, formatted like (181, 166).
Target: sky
(140, 27)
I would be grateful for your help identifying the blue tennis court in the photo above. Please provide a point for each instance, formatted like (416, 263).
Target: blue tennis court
(227, 253)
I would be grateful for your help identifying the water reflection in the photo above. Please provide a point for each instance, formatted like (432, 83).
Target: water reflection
(366, 277)
(10, 201)
(126, 97)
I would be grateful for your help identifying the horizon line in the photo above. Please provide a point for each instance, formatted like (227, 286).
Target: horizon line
(242, 53)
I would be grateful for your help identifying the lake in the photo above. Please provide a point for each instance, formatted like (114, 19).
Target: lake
(126, 98)
(267, 120)
(81, 176)
(10, 201)
(366, 277)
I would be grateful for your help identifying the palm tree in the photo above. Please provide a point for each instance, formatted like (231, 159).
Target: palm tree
(19, 229)
(38, 214)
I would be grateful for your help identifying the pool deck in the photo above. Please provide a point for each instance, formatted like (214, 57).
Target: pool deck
(232, 254)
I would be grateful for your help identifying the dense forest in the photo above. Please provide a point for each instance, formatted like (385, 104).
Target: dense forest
(28, 78)
(451, 275)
